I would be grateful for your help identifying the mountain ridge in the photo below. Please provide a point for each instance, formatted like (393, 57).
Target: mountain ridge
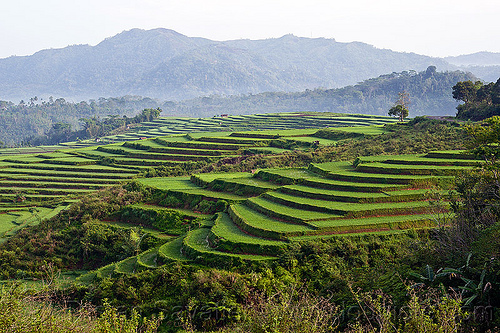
(483, 58)
(142, 62)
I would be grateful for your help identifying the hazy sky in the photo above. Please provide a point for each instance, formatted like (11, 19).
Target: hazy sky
(431, 27)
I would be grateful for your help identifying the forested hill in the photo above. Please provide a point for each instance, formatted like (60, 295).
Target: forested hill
(36, 117)
(430, 94)
(164, 64)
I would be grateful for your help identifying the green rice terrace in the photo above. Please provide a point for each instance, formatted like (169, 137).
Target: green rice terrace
(262, 212)
(52, 177)
(263, 122)
(248, 216)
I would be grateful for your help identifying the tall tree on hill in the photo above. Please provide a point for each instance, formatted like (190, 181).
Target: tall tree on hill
(400, 110)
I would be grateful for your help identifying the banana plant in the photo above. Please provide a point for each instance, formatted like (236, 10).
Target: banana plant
(472, 290)
(428, 276)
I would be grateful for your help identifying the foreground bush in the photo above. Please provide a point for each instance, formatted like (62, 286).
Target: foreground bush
(22, 312)
(299, 311)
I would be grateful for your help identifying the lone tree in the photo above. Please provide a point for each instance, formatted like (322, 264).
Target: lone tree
(400, 110)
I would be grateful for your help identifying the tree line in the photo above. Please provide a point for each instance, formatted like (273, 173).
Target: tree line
(93, 127)
(480, 100)
(430, 92)
(26, 120)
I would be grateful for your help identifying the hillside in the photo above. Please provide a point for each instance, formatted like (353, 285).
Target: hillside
(430, 93)
(486, 73)
(237, 220)
(50, 178)
(164, 64)
(485, 65)
(19, 122)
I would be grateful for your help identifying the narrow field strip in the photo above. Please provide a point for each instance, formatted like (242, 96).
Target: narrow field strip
(287, 213)
(44, 191)
(225, 228)
(385, 223)
(258, 224)
(32, 178)
(345, 208)
(385, 168)
(454, 154)
(344, 185)
(333, 195)
(75, 173)
(206, 178)
(170, 183)
(54, 184)
(356, 233)
(344, 171)
(127, 266)
(173, 250)
(210, 195)
(148, 259)
(196, 244)
(306, 177)
(72, 168)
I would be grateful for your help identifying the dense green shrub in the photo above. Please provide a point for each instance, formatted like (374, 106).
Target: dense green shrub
(334, 134)
(221, 205)
(166, 220)
(206, 207)
(170, 201)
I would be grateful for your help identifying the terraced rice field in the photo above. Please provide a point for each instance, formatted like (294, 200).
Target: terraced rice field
(54, 176)
(197, 243)
(38, 186)
(13, 220)
(267, 210)
(268, 123)
(323, 200)
(50, 176)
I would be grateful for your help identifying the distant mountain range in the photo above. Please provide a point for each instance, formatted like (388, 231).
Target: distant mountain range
(475, 59)
(164, 64)
(485, 65)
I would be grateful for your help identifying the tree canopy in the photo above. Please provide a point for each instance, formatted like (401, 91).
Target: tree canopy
(399, 111)
(92, 127)
(481, 101)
